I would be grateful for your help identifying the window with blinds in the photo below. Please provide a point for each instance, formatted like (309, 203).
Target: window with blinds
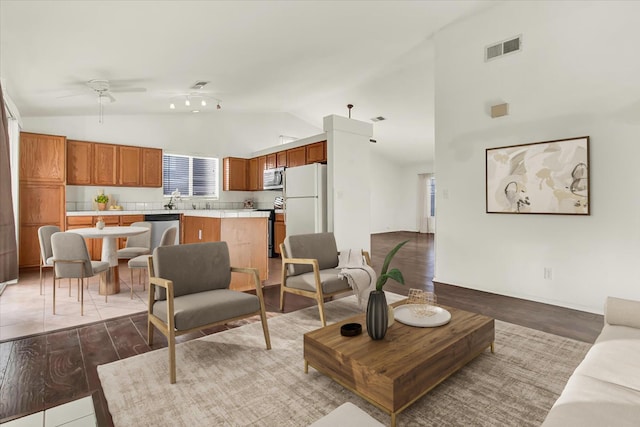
(192, 176)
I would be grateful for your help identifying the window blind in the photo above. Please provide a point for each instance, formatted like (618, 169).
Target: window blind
(192, 176)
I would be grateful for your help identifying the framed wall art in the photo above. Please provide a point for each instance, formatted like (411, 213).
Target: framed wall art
(550, 177)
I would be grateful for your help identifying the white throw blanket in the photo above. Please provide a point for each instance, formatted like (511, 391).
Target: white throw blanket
(360, 276)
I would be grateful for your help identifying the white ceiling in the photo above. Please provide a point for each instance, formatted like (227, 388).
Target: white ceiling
(308, 58)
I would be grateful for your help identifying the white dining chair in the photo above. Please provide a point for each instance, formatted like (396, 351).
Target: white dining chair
(141, 262)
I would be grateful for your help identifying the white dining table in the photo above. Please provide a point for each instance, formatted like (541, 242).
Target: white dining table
(110, 284)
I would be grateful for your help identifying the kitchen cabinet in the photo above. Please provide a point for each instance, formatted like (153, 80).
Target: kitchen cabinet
(271, 161)
(42, 170)
(253, 174)
(247, 242)
(129, 160)
(316, 152)
(79, 162)
(296, 157)
(42, 158)
(198, 229)
(235, 174)
(281, 159)
(262, 165)
(105, 160)
(151, 167)
(279, 232)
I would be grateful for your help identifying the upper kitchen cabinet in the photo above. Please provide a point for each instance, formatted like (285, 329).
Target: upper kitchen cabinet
(296, 157)
(253, 175)
(79, 161)
(129, 160)
(105, 160)
(281, 159)
(42, 158)
(271, 161)
(151, 167)
(235, 174)
(316, 152)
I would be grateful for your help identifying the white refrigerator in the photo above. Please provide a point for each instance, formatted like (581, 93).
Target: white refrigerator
(305, 197)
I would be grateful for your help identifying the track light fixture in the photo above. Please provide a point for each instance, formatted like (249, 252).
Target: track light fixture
(199, 98)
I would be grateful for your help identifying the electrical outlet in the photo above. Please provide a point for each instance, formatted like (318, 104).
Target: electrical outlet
(548, 273)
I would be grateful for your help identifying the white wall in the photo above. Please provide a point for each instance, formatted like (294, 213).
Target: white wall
(219, 134)
(394, 194)
(576, 75)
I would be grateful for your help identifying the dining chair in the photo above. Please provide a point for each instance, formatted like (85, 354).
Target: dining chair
(137, 245)
(46, 255)
(71, 260)
(141, 261)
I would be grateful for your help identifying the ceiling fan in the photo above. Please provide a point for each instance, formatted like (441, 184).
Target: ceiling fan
(105, 89)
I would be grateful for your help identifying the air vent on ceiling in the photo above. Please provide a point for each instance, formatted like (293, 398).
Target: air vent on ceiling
(378, 119)
(503, 48)
(199, 85)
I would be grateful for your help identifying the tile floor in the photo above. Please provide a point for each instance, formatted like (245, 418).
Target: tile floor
(79, 413)
(23, 311)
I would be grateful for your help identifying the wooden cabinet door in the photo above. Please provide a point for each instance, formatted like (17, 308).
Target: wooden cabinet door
(29, 251)
(151, 167)
(271, 161)
(211, 229)
(262, 165)
(317, 152)
(105, 164)
(42, 158)
(253, 174)
(281, 159)
(129, 159)
(235, 174)
(279, 233)
(192, 229)
(79, 162)
(42, 204)
(296, 157)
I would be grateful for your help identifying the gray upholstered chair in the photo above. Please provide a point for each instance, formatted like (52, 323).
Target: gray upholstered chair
(46, 255)
(189, 290)
(309, 264)
(142, 261)
(137, 245)
(71, 260)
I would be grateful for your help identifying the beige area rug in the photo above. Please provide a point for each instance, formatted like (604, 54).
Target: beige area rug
(230, 379)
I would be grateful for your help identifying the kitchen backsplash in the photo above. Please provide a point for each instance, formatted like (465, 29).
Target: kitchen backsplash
(146, 206)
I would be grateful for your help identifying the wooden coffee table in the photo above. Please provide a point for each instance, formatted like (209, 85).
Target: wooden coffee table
(394, 372)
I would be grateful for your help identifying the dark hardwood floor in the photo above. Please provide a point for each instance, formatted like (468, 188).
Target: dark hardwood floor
(50, 369)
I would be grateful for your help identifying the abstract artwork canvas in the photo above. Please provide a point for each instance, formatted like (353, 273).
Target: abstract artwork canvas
(550, 177)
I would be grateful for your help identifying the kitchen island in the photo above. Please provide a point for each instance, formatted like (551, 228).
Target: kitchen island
(244, 230)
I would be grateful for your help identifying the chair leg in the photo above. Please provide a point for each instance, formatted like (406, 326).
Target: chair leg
(131, 283)
(149, 333)
(282, 297)
(82, 298)
(172, 357)
(321, 309)
(54, 291)
(40, 278)
(103, 277)
(265, 328)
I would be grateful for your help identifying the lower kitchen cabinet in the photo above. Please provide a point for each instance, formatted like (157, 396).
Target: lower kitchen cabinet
(197, 229)
(279, 232)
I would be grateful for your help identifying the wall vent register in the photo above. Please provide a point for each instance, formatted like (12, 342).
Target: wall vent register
(503, 48)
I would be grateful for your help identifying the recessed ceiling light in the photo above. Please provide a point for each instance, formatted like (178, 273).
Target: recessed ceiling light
(378, 119)
(195, 111)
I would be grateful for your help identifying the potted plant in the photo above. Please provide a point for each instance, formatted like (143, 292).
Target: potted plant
(102, 200)
(377, 316)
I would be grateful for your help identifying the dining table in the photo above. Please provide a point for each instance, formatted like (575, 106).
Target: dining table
(110, 281)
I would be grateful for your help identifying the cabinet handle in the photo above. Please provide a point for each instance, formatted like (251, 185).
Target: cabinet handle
(199, 234)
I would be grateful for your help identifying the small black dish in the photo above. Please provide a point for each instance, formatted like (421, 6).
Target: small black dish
(350, 329)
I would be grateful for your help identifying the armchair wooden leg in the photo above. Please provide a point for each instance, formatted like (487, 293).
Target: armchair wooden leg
(172, 357)
(149, 333)
(320, 300)
(282, 297)
(265, 328)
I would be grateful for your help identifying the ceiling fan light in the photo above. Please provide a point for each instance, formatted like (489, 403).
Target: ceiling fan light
(187, 102)
(203, 103)
(172, 106)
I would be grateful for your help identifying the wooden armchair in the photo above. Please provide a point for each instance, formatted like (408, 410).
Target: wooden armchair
(309, 264)
(189, 290)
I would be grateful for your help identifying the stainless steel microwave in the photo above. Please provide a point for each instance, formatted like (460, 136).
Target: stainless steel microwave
(273, 179)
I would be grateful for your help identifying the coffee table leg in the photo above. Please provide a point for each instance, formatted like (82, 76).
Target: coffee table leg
(492, 348)
(306, 366)
(393, 419)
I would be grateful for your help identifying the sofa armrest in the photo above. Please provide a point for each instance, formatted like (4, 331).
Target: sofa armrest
(622, 312)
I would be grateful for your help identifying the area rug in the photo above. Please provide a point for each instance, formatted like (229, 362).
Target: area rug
(230, 379)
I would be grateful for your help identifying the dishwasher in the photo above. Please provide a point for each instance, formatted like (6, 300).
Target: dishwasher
(159, 223)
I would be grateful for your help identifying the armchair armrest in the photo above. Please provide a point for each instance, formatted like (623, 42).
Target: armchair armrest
(250, 270)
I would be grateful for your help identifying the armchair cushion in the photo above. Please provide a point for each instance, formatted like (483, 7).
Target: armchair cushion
(195, 310)
(193, 268)
(319, 246)
(329, 279)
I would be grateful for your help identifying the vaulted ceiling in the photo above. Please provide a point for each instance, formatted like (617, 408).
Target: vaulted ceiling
(308, 58)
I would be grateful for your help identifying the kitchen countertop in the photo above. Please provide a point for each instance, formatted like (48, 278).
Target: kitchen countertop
(210, 213)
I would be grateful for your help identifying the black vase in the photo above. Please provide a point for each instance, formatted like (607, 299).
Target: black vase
(377, 315)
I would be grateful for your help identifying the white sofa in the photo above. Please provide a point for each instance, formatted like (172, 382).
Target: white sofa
(604, 390)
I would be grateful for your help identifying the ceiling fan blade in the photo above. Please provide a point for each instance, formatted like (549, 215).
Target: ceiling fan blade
(111, 98)
(73, 94)
(128, 89)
